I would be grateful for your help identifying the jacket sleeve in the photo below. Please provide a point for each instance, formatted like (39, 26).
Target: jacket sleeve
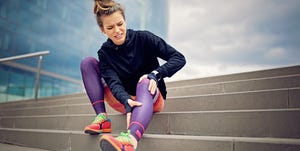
(114, 83)
(174, 59)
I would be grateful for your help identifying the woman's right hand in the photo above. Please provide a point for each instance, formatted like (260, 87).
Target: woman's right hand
(132, 104)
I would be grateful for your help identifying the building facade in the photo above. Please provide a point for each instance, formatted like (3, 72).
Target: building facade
(67, 29)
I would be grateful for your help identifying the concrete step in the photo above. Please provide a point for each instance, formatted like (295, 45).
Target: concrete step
(265, 99)
(77, 141)
(48, 101)
(240, 123)
(208, 143)
(247, 111)
(283, 71)
(290, 81)
(286, 82)
(281, 82)
(10, 147)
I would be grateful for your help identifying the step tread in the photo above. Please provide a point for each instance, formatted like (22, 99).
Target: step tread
(268, 140)
(179, 112)
(85, 101)
(236, 81)
(226, 138)
(13, 147)
(237, 123)
(281, 71)
(236, 86)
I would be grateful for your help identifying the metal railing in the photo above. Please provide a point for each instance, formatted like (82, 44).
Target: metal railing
(38, 69)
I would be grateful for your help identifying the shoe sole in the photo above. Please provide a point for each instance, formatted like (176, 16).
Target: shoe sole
(95, 132)
(106, 145)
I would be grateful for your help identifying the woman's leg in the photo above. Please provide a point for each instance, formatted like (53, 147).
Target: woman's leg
(140, 118)
(94, 88)
(142, 115)
(92, 82)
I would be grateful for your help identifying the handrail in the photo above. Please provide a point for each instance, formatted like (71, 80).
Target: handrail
(30, 55)
(43, 72)
(24, 56)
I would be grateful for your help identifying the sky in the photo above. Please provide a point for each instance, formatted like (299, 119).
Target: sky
(224, 37)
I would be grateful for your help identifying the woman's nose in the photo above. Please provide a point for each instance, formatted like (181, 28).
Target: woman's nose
(117, 29)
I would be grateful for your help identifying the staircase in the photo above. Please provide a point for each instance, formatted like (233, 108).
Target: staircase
(253, 111)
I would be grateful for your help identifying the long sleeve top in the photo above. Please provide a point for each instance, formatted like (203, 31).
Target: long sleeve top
(121, 66)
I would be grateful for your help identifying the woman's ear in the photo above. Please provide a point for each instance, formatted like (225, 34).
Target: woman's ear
(102, 30)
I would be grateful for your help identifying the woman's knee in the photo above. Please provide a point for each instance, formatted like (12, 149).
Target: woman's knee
(87, 63)
(143, 85)
(145, 81)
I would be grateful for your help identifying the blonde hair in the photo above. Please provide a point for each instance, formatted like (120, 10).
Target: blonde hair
(106, 7)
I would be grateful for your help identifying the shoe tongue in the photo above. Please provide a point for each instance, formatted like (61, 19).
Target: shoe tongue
(125, 138)
(99, 118)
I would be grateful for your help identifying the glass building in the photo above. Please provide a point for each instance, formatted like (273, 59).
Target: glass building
(68, 29)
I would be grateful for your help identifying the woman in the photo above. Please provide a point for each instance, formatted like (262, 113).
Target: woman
(128, 76)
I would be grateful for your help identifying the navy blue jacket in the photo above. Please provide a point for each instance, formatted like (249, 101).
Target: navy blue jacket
(122, 66)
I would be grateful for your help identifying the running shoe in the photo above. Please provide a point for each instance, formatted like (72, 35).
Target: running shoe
(120, 143)
(101, 124)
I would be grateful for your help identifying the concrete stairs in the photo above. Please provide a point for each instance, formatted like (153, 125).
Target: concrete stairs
(257, 110)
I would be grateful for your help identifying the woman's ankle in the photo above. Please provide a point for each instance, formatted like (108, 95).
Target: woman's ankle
(134, 141)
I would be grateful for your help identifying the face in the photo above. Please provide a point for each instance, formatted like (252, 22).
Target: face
(114, 26)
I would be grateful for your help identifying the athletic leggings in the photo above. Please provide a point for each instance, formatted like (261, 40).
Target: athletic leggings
(98, 92)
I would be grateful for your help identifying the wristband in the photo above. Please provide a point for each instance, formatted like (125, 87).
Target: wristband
(157, 75)
(154, 75)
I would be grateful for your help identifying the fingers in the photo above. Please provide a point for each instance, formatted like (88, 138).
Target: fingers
(134, 103)
(152, 86)
(128, 118)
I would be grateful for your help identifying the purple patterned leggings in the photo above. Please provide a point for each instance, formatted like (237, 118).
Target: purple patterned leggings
(94, 87)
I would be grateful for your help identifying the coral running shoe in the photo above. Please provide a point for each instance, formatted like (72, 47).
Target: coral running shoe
(101, 124)
(120, 143)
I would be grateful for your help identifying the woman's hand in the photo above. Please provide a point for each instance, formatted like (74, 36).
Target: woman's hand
(132, 104)
(128, 117)
(152, 84)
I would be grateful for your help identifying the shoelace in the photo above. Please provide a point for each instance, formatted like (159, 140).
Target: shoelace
(99, 118)
(125, 138)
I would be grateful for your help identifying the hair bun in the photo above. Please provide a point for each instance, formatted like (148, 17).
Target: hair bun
(103, 5)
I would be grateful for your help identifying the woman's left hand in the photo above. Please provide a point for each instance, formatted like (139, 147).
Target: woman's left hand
(152, 84)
